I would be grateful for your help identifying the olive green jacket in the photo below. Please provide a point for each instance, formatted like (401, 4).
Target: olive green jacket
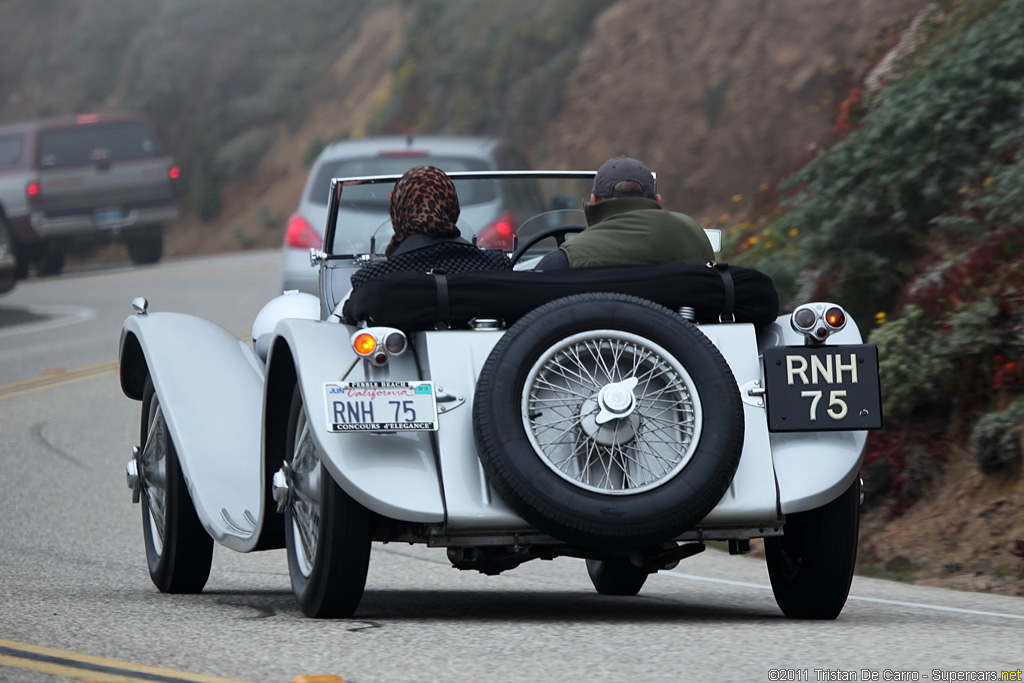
(635, 231)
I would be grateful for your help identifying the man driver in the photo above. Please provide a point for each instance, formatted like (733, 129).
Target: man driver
(627, 225)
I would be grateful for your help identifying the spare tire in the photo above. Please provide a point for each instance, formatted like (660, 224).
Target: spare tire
(608, 421)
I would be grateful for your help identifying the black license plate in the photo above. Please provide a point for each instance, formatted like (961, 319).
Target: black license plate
(822, 388)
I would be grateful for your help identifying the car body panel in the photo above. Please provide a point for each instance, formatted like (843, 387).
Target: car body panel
(812, 468)
(210, 385)
(394, 475)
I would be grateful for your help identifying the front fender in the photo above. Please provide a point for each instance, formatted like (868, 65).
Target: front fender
(210, 386)
(394, 475)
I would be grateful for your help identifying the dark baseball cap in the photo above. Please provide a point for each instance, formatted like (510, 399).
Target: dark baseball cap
(622, 168)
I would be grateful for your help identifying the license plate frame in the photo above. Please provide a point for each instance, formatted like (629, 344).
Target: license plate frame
(822, 388)
(411, 404)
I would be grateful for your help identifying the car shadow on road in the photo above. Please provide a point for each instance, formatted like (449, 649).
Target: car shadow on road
(484, 606)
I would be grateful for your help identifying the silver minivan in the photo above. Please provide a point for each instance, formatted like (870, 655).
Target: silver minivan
(389, 156)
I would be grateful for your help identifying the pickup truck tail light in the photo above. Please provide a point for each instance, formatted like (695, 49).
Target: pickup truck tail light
(301, 235)
(33, 192)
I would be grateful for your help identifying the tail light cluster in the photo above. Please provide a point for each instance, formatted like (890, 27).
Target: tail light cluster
(379, 344)
(301, 235)
(817, 321)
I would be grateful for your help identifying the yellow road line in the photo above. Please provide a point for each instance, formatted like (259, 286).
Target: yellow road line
(60, 376)
(57, 378)
(82, 667)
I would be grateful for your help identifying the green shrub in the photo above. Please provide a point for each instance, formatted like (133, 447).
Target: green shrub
(996, 439)
(203, 196)
(241, 154)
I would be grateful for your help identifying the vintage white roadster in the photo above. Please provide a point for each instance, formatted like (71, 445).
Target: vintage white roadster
(625, 416)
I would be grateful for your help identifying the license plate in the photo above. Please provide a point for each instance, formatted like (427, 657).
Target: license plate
(380, 406)
(822, 388)
(108, 217)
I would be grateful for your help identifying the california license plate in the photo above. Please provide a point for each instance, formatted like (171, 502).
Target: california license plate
(822, 388)
(380, 406)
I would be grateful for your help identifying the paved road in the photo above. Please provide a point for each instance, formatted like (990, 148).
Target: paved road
(76, 602)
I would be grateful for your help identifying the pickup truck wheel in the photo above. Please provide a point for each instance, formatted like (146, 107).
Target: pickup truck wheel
(178, 549)
(327, 534)
(616, 577)
(50, 261)
(145, 249)
(811, 565)
(608, 421)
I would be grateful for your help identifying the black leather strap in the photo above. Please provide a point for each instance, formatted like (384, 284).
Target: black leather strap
(441, 282)
(728, 314)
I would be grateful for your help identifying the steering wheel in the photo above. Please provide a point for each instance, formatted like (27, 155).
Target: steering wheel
(559, 233)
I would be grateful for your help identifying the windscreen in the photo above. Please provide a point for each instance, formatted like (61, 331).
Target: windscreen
(478, 193)
(95, 143)
(522, 205)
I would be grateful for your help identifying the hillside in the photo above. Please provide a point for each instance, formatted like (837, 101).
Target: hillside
(726, 99)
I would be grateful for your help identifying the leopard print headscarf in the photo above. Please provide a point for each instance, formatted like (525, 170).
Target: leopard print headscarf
(424, 201)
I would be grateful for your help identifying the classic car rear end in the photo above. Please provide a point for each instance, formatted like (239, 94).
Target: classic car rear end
(623, 416)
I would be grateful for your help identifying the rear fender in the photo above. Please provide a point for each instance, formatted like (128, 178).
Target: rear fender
(210, 386)
(394, 475)
(812, 468)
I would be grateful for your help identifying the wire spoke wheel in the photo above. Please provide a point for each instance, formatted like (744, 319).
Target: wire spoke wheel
(178, 549)
(611, 412)
(305, 505)
(327, 533)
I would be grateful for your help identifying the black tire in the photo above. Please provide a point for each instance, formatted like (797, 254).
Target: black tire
(328, 578)
(145, 248)
(634, 480)
(811, 566)
(178, 549)
(616, 577)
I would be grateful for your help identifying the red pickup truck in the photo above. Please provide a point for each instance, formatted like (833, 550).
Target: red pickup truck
(79, 181)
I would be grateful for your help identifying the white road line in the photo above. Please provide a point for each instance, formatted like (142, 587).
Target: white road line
(898, 603)
(62, 315)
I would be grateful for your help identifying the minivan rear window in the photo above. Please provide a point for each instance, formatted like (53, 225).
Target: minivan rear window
(10, 150)
(476, 193)
(96, 143)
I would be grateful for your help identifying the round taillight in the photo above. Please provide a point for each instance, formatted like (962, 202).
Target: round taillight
(835, 317)
(174, 173)
(395, 343)
(33, 189)
(804, 319)
(364, 344)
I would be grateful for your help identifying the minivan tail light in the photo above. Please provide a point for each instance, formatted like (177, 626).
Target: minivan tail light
(499, 234)
(301, 235)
